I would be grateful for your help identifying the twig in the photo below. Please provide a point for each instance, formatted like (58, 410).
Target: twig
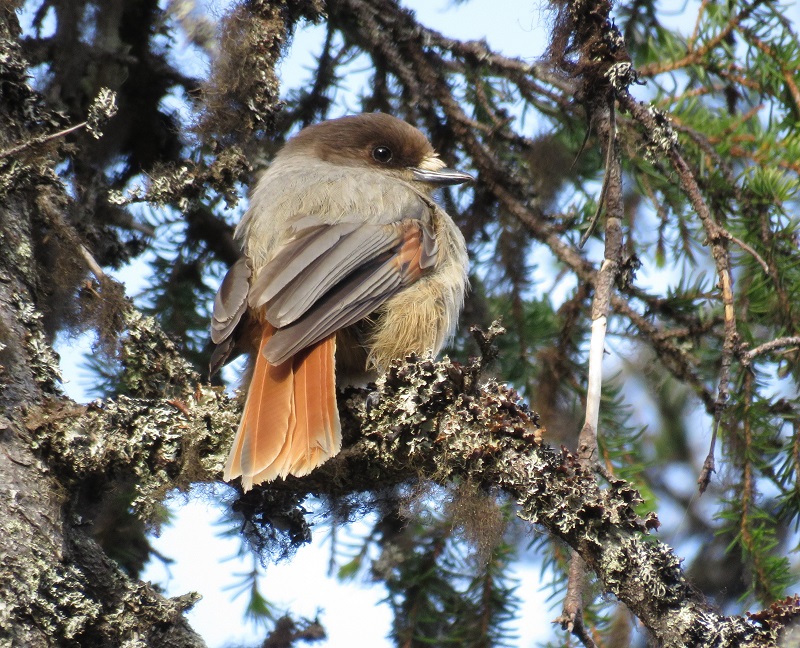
(103, 108)
(604, 188)
(581, 149)
(696, 30)
(695, 55)
(768, 347)
(571, 618)
(660, 130)
(91, 262)
(789, 76)
(747, 249)
(601, 304)
(709, 464)
(41, 139)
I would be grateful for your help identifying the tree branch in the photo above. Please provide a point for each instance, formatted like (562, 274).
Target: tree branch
(431, 420)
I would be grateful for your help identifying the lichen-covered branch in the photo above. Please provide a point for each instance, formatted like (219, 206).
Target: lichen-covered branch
(427, 422)
(431, 420)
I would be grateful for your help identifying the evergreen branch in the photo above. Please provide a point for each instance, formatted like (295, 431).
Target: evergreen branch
(696, 31)
(460, 432)
(695, 56)
(745, 198)
(412, 67)
(789, 75)
(662, 134)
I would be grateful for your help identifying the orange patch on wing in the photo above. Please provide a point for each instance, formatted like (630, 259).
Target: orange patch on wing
(409, 254)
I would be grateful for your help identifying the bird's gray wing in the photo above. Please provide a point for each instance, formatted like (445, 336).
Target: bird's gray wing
(230, 304)
(327, 277)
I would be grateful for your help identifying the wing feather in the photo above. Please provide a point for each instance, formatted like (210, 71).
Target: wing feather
(230, 302)
(309, 286)
(323, 279)
(360, 293)
(313, 262)
(294, 258)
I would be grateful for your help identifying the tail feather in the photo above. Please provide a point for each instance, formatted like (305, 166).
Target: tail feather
(290, 423)
(330, 410)
(310, 445)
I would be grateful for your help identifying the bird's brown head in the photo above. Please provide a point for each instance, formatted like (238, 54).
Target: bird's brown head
(376, 140)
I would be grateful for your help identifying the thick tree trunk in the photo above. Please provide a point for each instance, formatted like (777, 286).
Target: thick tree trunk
(57, 587)
(56, 584)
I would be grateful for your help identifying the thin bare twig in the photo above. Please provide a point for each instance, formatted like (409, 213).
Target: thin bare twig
(97, 271)
(604, 286)
(747, 249)
(41, 139)
(571, 618)
(769, 347)
(604, 188)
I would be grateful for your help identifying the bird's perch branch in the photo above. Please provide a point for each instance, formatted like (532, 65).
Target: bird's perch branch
(431, 420)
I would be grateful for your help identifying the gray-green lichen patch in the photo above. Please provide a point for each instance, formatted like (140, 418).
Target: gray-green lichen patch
(67, 604)
(171, 432)
(42, 360)
(49, 594)
(423, 417)
(662, 138)
(424, 409)
(162, 443)
(153, 366)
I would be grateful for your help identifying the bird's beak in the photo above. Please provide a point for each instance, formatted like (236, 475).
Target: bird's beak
(443, 176)
(433, 171)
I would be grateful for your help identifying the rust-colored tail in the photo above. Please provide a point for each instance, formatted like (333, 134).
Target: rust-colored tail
(290, 423)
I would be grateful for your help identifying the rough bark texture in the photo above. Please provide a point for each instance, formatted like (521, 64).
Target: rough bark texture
(57, 587)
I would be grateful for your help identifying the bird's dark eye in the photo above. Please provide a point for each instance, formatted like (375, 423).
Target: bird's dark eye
(382, 154)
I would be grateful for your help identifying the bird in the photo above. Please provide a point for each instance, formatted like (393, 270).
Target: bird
(347, 264)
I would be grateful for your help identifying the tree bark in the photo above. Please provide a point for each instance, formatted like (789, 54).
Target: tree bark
(57, 587)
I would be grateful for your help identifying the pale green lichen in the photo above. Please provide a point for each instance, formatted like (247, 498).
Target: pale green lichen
(662, 138)
(164, 444)
(103, 108)
(173, 431)
(42, 360)
(424, 419)
(51, 593)
(621, 75)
